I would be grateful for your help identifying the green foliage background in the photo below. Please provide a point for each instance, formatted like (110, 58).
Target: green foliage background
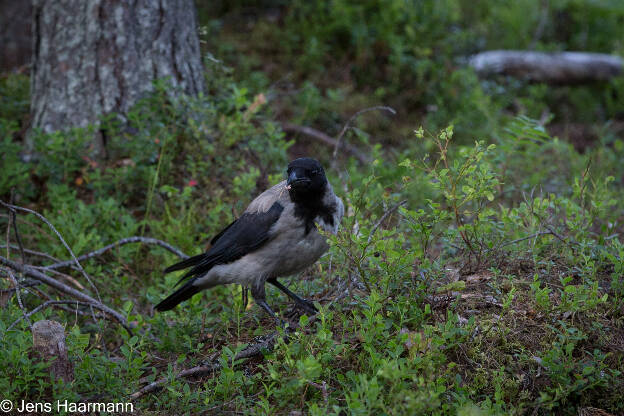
(479, 268)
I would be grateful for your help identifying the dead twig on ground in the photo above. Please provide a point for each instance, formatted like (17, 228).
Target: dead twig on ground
(51, 303)
(64, 276)
(32, 252)
(16, 285)
(128, 240)
(44, 219)
(19, 296)
(323, 388)
(252, 350)
(61, 287)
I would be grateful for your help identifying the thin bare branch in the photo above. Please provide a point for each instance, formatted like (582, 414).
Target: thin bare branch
(266, 343)
(42, 218)
(323, 388)
(62, 275)
(383, 218)
(17, 234)
(8, 271)
(51, 303)
(19, 297)
(36, 274)
(353, 117)
(32, 252)
(508, 243)
(128, 240)
(23, 285)
(326, 139)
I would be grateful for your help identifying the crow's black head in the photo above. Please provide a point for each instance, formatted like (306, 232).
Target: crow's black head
(306, 179)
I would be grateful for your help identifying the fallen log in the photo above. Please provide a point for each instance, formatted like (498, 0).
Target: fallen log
(552, 68)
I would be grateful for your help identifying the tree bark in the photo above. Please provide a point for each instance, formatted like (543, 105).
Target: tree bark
(553, 68)
(94, 57)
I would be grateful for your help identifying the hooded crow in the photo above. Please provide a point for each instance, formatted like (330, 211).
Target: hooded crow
(276, 236)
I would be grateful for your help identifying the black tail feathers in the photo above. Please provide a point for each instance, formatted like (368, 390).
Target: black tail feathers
(180, 295)
(191, 261)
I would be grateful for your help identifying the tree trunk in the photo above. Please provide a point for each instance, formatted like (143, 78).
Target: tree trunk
(93, 57)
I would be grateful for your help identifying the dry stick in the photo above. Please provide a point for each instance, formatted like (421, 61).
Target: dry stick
(16, 284)
(17, 234)
(48, 303)
(353, 117)
(326, 139)
(29, 283)
(383, 218)
(570, 241)
(36, 283)
(36, 274)
(323, 388)
(32, 252)
(145, 240)
(42, 218)
(64, 276)
(251, 351)
(37, 227)
(508, 243)
(41, 293)
(19, 297)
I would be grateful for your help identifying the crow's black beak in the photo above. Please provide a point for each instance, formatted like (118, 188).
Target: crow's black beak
(296, 181)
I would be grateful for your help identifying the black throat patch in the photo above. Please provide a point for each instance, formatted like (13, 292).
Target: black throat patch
(308, 207)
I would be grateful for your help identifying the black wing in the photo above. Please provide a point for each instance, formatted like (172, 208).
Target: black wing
(241, 237)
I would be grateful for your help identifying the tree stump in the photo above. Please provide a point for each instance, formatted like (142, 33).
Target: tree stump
(49, 346)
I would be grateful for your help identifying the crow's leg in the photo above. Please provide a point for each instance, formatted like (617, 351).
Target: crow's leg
(306, 305)
(245, 297)
(258, 293)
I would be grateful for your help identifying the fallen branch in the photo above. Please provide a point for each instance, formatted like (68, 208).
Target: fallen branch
(36, 274)
(31, 252)
(323, 388)
(554, 68)
(144, 240)
(53, 228)
(508, 243)
(17, 287)
(63, 276)
(24, 285)
(326, 139)
(50, 303)
(251, 351)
